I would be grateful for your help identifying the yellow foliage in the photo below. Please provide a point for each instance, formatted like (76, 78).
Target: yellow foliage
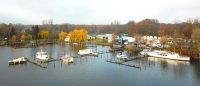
(79, 36)
(14, 38)
(164, 39)
(23, 37)
(44, 34)
(28, 37)
(62, 36)
(195, 34)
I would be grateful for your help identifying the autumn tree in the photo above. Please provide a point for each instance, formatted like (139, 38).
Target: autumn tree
(148, 27)
(83, 35)
(13, 39)
(196, 37)
(196, 34)
(114, 38)
(28, 37)
(131, 28)
(78, 36)
(162, 32)
(73, 36)
(23, 37)
(62, 36)
(164, 39)
(188, 30)
(178, 34)
(44, 34)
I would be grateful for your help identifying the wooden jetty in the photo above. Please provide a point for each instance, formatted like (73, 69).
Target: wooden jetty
(123, 63)
(115, 49)
(37, 64)
(42, 62)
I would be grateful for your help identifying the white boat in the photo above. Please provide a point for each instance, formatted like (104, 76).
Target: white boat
(86, 52)
(42, 55)
(68, 59)
(95, 53)
(18, 60)
(121, 56)
(168, 55)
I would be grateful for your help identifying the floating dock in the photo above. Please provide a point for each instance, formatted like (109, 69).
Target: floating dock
(41, 63)
(123, 63)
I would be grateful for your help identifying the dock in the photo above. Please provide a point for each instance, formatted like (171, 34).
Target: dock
(41, 63)
(124, 63)
(36, 63)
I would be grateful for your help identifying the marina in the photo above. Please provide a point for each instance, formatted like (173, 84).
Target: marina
(105, 68)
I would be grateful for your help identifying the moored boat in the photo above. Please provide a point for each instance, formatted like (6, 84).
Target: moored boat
(86, 52)
(41, 55)
(167, 55)
(68, 59)
(19, 60)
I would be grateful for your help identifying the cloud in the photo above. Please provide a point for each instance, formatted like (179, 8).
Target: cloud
(96, 11)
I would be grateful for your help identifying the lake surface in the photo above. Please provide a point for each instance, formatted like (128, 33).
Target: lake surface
(94, 71)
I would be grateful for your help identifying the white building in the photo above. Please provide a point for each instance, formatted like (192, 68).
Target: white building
(129, 39)
(153, 41)
(105, 36)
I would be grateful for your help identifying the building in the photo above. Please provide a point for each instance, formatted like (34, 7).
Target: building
(107, 37)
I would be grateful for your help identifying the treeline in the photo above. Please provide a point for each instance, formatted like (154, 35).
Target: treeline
(152, 27)
(145, 27)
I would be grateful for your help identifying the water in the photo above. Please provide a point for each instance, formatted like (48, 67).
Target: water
(94, 71)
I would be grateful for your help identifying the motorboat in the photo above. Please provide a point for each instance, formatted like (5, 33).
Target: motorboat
(68, 59)
(86, 52)
(121, 56)
(167, 55)
(19, 60)
(41, 55)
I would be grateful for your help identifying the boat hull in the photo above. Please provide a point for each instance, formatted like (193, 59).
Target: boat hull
(167, 55)
(14, 63)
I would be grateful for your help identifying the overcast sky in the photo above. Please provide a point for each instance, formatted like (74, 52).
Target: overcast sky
(96, 11)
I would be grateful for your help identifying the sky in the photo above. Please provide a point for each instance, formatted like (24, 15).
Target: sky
(97, 11)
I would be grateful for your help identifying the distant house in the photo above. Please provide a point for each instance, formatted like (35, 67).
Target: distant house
(153, 41)
(107, 37)
(91, 37)
(128, 39)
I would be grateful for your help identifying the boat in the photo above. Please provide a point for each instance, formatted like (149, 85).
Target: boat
(19, 60)
(167, 55)
(86, 52)
(41, 55)
(121, 56)
(94, 54)
(68, 59)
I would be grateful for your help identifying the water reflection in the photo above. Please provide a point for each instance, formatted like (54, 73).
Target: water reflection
(196, 70)
(84, 69)
(179, 68)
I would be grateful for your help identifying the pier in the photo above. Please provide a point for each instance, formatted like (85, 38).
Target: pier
(42, 63)
(124, 63)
